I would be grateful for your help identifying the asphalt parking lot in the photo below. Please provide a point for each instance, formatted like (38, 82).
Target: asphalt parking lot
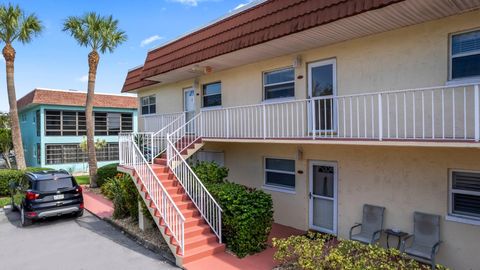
(69, 243)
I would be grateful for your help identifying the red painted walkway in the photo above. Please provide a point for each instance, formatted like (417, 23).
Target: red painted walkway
(259, 261)
(97, 204)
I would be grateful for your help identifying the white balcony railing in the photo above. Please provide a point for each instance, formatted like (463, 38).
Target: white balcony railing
(435, 113)
(152, 144)
(156, 122)
(132, 157)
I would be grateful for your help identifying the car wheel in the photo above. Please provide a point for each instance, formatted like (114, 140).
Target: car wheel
(24, 221)
(79, 213)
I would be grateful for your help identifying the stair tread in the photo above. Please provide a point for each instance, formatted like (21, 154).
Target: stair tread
(203, 248)
(201, 237)
(199, 227)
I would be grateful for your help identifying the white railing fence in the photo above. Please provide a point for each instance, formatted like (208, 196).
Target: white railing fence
(156, 122)
(153, 144)
(132, 157)
(436, 113)
(179, 141)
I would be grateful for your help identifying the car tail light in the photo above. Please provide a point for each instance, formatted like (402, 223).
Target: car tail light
(31, 195)
(79, 189)
(81, 205)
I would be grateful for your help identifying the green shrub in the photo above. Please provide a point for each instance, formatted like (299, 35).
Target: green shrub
(210, 172)
(247, 216)
(320, 251)
(247, 213)
(122, 191)
(106, 172)
(7, 175)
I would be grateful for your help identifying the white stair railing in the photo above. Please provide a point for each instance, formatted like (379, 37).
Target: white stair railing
(178, 142)
(131, 157)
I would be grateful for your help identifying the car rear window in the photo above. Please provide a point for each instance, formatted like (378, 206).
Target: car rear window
(54, 184)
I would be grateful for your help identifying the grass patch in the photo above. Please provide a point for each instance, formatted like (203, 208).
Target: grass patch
(83, 179)
(4, 201)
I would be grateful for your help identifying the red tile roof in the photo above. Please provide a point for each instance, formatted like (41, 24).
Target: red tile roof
(261, 23)
(74, 98)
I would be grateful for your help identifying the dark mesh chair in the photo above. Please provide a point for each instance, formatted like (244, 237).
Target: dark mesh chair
(371, 226)
(425, 240)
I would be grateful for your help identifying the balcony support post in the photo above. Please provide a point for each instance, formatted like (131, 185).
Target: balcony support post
(264, 122)
(227, 124)
(477, 112)
(152, 148)
(380, 118)
(314, 120)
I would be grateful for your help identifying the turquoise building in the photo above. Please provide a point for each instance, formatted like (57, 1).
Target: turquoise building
(52, 123)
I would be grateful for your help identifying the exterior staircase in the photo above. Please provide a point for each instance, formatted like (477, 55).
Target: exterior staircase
(199, 240)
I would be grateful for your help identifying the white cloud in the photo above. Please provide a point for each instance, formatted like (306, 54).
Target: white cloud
(192, 3)
(84, 78)
(149, 40)
(243, 4)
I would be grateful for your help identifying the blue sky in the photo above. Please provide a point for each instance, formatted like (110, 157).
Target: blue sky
(54, 59)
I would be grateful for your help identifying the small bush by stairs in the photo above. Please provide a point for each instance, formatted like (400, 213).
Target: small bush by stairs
(200, 241)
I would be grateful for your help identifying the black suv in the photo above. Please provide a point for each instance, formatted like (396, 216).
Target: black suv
(45, 194)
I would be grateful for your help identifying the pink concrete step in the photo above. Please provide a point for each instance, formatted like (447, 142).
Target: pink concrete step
(197, 230)
(199, 240)
(203, 251)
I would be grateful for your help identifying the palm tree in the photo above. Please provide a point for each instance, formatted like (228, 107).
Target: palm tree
(100, 34)
(15, 25)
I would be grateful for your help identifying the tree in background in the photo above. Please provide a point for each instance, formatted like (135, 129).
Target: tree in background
(4, 120)
(6, 145)
(15, 25)
(100, 34)
(99, 145)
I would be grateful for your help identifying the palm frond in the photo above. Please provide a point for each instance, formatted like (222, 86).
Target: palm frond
(15, 24)
(30, 27)
(95, 31)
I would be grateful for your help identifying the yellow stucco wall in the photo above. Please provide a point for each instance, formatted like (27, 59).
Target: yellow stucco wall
(410, 57)
(402, 179)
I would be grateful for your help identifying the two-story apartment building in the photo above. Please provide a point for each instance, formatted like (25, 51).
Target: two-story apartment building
(329, 105)
(53, 126)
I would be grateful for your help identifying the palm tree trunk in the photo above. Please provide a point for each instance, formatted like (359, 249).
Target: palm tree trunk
(93, 59)
(9, 55)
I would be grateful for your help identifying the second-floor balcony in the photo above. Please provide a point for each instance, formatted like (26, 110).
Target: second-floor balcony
(435, 114)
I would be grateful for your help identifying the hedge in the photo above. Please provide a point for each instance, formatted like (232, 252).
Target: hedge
(106, 172)
(7, 175)
(247, 213)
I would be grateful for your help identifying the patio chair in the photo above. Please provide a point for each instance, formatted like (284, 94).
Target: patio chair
(425, 238)
(371, 226)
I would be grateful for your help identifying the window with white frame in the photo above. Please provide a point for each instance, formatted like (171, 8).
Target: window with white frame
(465, 55)
(279, 84)
(212, 94)
(465, 194)
(280, 173)
(149, 104)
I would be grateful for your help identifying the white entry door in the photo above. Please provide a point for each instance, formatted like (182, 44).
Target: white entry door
(189, 103)
(322, 88)
(323, 196)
